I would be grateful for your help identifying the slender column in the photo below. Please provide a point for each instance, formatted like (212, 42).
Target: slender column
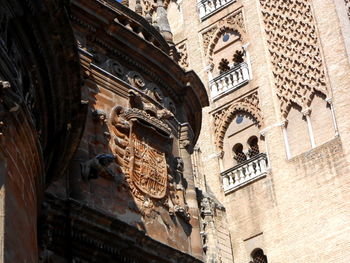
(330, 102)
(201, 9)
(307, 113)
(226, 181)
(247, 55)
(285, 138)
(220, 155)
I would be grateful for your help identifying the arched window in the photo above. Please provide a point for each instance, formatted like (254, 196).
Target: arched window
(258, 256)
(239, 156)
(253, 146)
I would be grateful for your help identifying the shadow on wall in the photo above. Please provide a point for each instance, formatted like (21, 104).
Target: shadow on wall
(126, 169)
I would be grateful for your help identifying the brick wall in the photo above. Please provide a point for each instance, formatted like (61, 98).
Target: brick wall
(298, 213)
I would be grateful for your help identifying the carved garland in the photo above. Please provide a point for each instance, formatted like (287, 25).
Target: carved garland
(233, 23)
(295, 52)
(224, 117)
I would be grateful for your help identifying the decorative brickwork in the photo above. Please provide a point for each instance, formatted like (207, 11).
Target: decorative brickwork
(295, 52)
(223, 118)
(234, 22)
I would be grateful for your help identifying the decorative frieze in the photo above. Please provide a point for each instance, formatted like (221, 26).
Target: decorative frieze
(295, 52)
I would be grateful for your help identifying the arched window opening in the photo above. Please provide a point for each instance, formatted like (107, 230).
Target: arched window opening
(253, 146)
(238, 57)
(224, 66)
(239, 156)
(258, 256)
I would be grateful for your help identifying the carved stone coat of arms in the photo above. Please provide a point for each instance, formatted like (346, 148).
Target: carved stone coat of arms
(148, 169)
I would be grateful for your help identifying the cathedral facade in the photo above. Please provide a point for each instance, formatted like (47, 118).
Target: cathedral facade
(174, 131)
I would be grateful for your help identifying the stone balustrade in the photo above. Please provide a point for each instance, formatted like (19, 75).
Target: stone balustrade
(230, 80)
(209, 7)
(244, 173)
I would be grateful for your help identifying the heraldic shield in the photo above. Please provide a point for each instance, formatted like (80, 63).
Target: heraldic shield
(148, 168)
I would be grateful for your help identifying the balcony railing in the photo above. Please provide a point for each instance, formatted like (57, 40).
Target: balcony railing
(209, 7)
(230, 80)
(244, 173)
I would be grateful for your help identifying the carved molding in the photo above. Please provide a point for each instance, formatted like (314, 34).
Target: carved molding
(234, 22)
(295, 52)
(224, 117)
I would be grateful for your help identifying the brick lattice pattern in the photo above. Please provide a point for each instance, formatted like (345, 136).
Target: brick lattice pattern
(295, 51)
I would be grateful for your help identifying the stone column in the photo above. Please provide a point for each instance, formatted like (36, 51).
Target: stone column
(306, 114)
(285, 139)
(330, 102)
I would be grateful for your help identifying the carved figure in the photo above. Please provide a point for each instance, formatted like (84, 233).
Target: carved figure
(180, 206)
(99, 115)
(95, 167)
(120, 134)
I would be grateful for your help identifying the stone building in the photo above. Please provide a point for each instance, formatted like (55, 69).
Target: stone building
(174, 131)
(274, 146)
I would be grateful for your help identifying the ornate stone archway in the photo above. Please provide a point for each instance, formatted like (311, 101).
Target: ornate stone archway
(222, 119)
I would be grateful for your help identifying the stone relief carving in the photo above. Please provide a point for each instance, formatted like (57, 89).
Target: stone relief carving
(207, 36)
(182, 49)
(97, 166)
(292, 40)
(141, 143)
(209, 208)
(114, 67)
(135, 79)
(223, 117)
(99, 115)
(177, 200)
(149, 89)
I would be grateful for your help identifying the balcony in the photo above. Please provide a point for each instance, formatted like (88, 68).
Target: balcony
(229, 81)
(209, 7)
(244, 173)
